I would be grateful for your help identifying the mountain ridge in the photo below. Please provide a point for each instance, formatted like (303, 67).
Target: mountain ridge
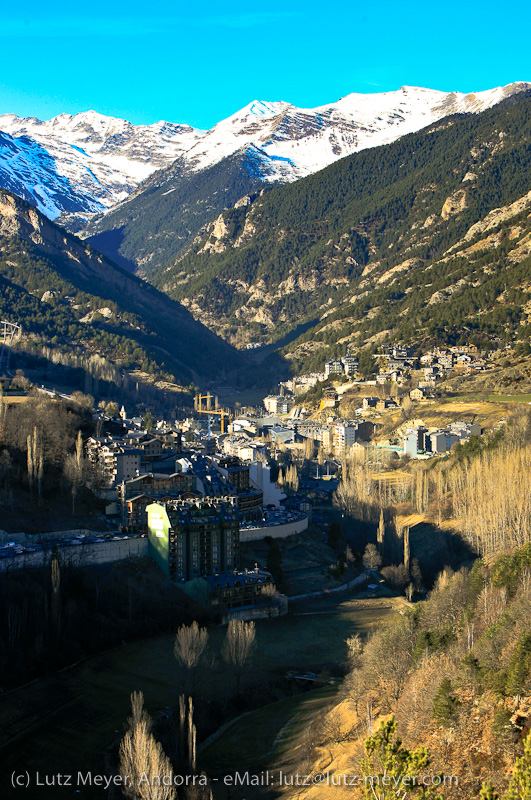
(83, 164)
(358, 244)
(275, 143)
(68, 291)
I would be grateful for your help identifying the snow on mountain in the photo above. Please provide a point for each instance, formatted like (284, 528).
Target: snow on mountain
(88, 162)
(310, 139)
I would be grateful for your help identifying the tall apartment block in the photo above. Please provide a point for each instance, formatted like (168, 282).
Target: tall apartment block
(193, 538)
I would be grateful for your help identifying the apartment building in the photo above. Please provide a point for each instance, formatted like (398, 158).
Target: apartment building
(194, 538)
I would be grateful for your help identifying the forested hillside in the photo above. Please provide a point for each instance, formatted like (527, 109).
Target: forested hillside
(455, 671)
(67, 296)
(169, 208)
(362, 248)
(455, 668)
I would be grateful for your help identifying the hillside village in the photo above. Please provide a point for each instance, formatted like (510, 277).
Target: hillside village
(271, 466)
(400, 380)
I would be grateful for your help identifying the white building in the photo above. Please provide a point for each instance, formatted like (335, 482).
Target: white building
(276, 404)
(260, 475)
(344, 437)
(350, 364)
(334, 367)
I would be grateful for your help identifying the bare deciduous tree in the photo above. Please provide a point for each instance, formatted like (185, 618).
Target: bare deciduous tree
(354, 650)
(269, 594)
(355, 686)
(75, 469)
(189, 649)
(144, 767)
(381, 533)
(396, 576)
(35, 463)
(387, 657)
(238, 646)
(56, 584)
(333, 729)
(371, 557)
(491, 498)
(407, 407)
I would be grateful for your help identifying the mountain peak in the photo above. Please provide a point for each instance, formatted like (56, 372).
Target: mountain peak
(88, 162)
(263, 108)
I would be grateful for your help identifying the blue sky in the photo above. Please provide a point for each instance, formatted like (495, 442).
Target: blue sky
(164, 60)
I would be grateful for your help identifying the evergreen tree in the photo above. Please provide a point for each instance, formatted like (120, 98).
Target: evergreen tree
(335, 534)
(488, 792)
(367, 363)
(444, 703)
(520, 785)
(519, 666)
(389, 769)
(148, 422)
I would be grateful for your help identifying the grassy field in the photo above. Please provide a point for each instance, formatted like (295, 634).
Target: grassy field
(13, 399)
(487, 411)
(254, 740)
(474, 399)
(509, 398)
(67, 721)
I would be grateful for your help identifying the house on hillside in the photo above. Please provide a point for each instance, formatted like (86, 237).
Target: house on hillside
(330, 399)
(369, 402)
(419, 393)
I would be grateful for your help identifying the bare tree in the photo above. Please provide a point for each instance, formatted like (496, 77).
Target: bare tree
(407, 547)
(269, 594)
(381, 533)
(189, 648)
(144, 767)
(35, 463)
(3, 411)
(56, 584)
(333, 730)
(238, 646)
(387, 658)
(407, 408)
(396, 576)
(371, 557)
(356, 685)
(354, 650)
(74, 469)
(491, 498)
(187, 733)
(291, 478)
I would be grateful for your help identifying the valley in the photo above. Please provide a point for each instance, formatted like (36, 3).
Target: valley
(265, 449)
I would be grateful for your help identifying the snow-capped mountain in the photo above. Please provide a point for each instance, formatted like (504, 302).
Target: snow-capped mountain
(300, 141)
(88, 162)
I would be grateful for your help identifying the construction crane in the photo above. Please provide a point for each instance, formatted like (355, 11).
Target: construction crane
(223, 413)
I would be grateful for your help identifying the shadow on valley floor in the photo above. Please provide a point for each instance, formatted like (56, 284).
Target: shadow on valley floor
(274, 347)
(74, 719)
(109, 243)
